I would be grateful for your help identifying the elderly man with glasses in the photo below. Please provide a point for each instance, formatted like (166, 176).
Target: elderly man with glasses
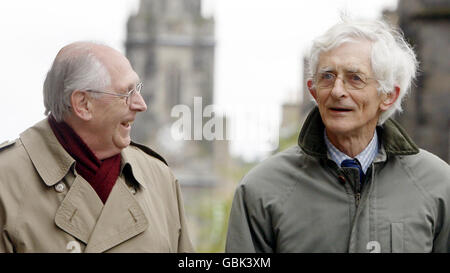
(356, 182)
(75, 182)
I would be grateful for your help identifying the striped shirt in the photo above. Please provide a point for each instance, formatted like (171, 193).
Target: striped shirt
(365, 158)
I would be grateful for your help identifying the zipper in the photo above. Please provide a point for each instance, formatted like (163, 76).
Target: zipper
(343, 180)
(358, 193)
(357, 198)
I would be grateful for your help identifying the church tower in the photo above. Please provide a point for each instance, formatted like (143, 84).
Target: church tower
(170, 44)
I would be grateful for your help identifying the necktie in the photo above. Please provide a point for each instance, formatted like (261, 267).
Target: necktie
(353, 163)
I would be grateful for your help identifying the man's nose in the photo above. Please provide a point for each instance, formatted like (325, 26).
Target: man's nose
(137, 103)
(338, 90)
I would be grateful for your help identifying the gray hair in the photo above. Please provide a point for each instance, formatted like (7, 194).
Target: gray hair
(74, 68)
(393, 60)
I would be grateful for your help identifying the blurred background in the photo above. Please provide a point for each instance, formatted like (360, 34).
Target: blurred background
(246, 58)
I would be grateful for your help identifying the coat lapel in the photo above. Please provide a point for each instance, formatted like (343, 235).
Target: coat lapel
(79, 211)
(82, 213)
(121, 219)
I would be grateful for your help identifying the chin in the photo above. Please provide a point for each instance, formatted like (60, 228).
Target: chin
(339, 128)
(125, 144)
(122, 142)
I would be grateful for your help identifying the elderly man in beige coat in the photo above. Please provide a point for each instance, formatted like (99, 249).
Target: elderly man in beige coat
(75, 182)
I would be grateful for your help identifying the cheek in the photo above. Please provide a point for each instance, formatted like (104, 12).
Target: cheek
(371, 108)
(113, 114)
(107, 124)
(362, 101)
(110, 115)
(322, 97)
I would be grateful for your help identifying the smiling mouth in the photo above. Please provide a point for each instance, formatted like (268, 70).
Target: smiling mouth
(126, 124)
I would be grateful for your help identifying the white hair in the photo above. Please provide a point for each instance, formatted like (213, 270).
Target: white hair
(74, 68)
(393, 60)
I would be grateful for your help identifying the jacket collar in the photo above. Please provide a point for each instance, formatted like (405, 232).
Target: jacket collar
(393, 137)
(129, 158)
(81, 213)
(50, 159)
(53, 162)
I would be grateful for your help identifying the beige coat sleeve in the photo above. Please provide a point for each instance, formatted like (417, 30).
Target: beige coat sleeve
(7, 208)
(6, 245)
(184, 243)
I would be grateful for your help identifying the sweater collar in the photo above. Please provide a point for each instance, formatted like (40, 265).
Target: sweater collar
(394, 139)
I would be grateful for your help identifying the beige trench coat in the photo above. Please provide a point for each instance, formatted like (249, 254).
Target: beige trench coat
(45, 206)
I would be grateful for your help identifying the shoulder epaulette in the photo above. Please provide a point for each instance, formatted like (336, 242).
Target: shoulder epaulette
(149, 151)
(7, 144)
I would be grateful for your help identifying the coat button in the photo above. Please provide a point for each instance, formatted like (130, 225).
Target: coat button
(60, 187)
(341, 179)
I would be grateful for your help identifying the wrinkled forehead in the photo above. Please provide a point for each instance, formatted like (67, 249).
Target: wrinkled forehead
(122, 74)
(351, 56)
(112, 59)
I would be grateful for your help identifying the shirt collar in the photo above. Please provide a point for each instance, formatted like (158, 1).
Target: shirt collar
(365, 158)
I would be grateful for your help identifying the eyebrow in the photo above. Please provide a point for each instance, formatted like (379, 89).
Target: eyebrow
(352, 69)
(131, 86)
(325, 69)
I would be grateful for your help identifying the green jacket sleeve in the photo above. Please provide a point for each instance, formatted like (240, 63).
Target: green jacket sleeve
(249, 226)
(441, 242)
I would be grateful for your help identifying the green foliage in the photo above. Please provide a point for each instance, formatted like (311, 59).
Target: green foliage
(213, 214)
(209, 214)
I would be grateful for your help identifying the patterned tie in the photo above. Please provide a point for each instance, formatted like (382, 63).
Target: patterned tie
(353, 163)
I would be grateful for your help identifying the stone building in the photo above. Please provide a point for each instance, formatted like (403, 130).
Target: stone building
(171, 46)
(426, 116)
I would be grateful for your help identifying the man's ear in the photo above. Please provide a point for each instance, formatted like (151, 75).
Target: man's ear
(312, 89)
(81, 105)
(389, 99)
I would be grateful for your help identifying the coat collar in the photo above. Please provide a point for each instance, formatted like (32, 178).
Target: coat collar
(130, 157)
(82, 213)
(50, 159)
(393, 137)
(53, 162)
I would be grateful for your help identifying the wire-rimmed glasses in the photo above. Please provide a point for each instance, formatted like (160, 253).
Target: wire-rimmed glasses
(352, 80)
(127, 96)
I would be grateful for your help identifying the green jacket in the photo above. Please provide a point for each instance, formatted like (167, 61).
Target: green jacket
(45, 206)
(300, 200)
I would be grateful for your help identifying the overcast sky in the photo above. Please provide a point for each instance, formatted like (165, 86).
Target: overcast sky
(260, 46)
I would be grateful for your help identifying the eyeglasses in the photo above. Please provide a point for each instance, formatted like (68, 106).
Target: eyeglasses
(127, 96)
(352, 80)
